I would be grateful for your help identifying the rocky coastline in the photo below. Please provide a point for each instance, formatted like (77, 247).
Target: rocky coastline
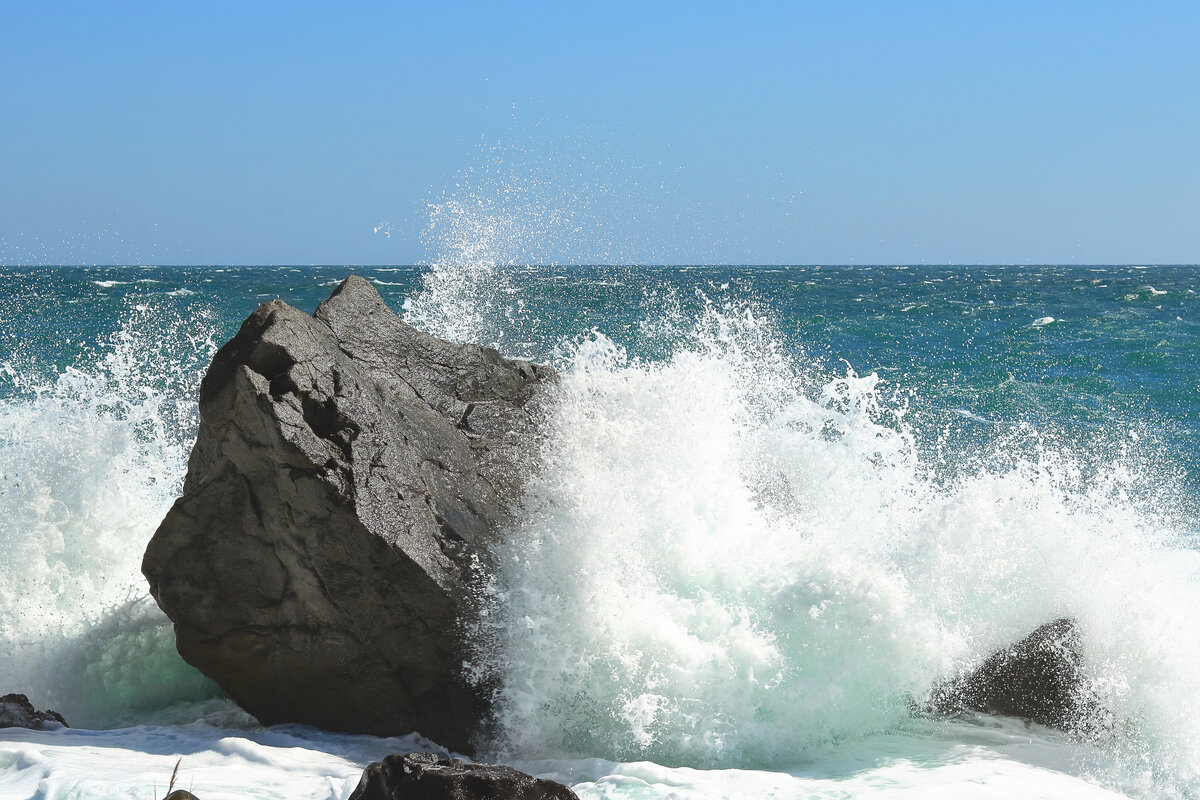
(323, 562)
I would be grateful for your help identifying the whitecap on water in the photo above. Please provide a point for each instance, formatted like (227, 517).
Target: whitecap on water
(89, 463)
(728, 560)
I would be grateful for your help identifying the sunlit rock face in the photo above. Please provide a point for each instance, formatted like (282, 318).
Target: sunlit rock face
(348, 475)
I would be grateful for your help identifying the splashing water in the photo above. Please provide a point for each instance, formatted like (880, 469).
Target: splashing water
(463, 293)
(730, 558)
(727, 556)
(89, 463)
(533, 199)
(516, 209)
(717, 566)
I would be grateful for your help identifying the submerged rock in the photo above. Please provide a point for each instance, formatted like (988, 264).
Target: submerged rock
(1040, 678)
(17, 712)
(348, 473)
(425, 776)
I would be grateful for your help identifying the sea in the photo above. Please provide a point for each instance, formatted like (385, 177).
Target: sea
(773, 508)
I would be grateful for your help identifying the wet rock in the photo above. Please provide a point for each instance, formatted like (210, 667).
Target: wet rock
(347, 477)
(425, 776)
(1039, 678)
(17, 712)
(181, 794)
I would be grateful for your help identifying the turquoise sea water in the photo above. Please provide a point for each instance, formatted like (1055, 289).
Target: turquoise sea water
(808, 492)
(1088, 353)
(1080, 345)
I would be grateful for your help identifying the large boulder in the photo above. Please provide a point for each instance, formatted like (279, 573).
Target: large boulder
(348, 475)
(424, 776)
(1040, 678)
(17, 712)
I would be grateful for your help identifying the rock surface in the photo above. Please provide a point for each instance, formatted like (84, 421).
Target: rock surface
(348, 474)
(1039, 678)
(17, 712)
(425, 776)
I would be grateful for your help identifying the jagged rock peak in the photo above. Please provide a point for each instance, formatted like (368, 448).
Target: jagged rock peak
(348, 476)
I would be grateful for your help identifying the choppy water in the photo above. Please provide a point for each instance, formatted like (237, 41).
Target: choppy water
(777, 504)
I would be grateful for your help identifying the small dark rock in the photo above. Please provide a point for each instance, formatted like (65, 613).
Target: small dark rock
(1040, 678)
(426, 776)
(17, 712)
(181, 794)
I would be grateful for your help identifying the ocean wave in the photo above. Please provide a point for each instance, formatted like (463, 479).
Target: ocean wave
(732, 571)
(1143, 293)
(89, 463)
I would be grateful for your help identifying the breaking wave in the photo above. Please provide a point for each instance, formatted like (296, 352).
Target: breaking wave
(91, 457)
(719, 566)
(731, 557)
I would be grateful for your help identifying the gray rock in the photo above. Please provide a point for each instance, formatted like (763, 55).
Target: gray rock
(348, 475)
(17, 712)
(1040, 678)
(424, 776)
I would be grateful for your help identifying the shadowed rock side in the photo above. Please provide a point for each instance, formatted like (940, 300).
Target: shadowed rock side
(17, 712)
(1039, 678)
(348, 473)
(424, 776)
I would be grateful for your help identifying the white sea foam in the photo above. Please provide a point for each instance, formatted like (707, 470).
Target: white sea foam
(89, 463)
(214, 763)
(719, 565)
(729, 559)
(1143, 293)
(966, 413)
(999, 760)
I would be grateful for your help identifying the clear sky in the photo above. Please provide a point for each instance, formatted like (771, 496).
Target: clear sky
(802, 132)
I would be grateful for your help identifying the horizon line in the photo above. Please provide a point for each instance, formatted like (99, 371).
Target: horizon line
(117, 265)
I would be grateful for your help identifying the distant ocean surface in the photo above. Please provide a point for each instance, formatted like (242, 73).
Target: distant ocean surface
(777, 504)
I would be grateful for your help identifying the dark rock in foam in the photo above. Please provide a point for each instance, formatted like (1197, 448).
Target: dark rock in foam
(17, 712)
(347, 476)
(1040, 678)
(424, 776)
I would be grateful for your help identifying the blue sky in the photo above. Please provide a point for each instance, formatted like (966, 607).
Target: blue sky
(260, 132)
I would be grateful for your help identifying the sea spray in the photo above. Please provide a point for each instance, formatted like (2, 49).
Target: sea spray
(733, 556)
(90, 459)
(968, 542)
(718, 565)
(517, 207)
(540, 196)
(663, 596)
